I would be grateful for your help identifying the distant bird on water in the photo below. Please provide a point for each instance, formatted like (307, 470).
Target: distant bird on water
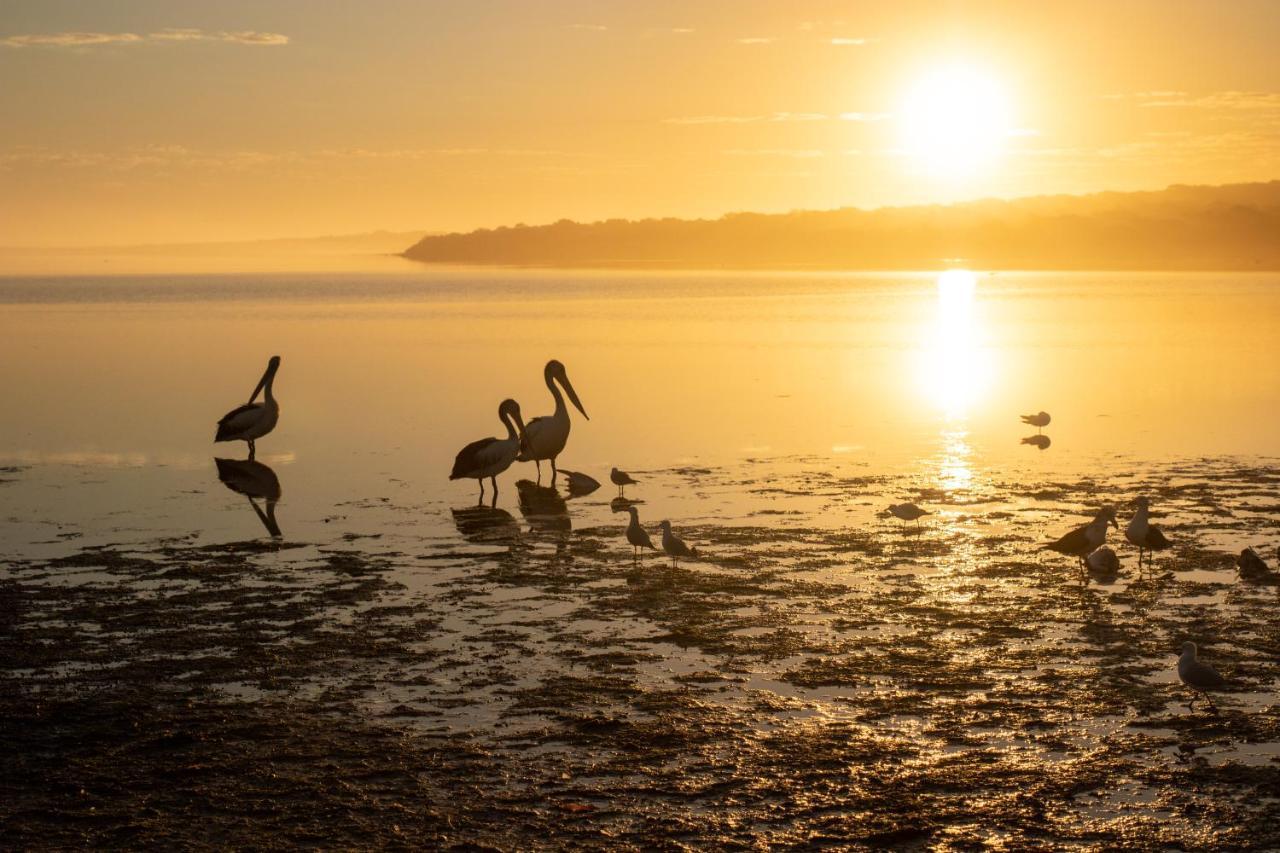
(1083, 541)
(1039, 420)
(1143, 533)
(621, 479)
(636, 534)
(253, 420)
(1197, 675)
(545, 437)
(908, 512)
(674, 545)
(489, 457)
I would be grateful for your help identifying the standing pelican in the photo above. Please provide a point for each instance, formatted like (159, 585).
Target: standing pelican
(673, 544)
(1039, 420)
(1143, 533)
(621, 479)
(636, 534)
(1083, 541)
(489, 457)
(546, 436)
(253, 420)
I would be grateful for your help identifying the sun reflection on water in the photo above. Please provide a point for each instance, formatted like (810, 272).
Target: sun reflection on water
(955, 369)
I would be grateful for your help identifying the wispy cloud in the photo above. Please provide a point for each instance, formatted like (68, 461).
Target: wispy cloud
(177, 34)
(795, 153)
(748, 119)
(756, 40)
(1230, 100)
(863, 116)
(854, 42)
(595, 28)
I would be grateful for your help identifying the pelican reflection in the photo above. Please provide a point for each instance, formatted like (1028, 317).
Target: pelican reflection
(543, 507)
(483, 525)
(255, 481)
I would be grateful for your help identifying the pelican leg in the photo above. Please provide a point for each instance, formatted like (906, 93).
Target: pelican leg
(480, 500)
(494, 480)
(553, 472)
(538, 462)
(252, 450)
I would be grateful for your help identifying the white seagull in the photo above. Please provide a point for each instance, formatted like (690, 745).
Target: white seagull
(1197, 675)
(253, 420)
(489, 457)
(1039, 420)
(546, 436)
(1083, 541)
(621, 479)
(1143, 533)
(636, 534)
(673, 544)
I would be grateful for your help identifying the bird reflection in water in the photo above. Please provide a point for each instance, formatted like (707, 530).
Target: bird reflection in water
(483, 525)
(621, 504)
(1041, 441)
(255, 481)
(543, 507)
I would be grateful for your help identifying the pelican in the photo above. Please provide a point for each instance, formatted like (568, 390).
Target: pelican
(489, 457)
(546, 436)
(1197, 675)
(1039, 420)
(907, 512)
(673, 544)
(1143, 533)
(253, 420)
(621, 479)
(636, 534)
(1083, 541)
(580, 484)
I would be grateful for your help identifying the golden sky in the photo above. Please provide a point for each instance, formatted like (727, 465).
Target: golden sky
(139, 122)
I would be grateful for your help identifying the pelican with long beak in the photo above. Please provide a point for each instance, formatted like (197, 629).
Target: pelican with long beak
(253, 420)
(489, 457)
(545, 437)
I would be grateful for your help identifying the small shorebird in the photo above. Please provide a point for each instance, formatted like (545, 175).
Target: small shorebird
(1197, 675)
(908, 512)
(621, 479)
(1143, 533)
(253, 420)
(545, 437)
(580, 484)
(1103, 563)
(1039, 420)
(674, 545)
(636, 534)
(1083, 541)
(489, 457)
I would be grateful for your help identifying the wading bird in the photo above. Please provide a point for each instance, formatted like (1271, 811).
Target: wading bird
(1083, 541)
(674, 545)
(621, 479)
(1039, 420)
(546, 436)
(1197, 675)
(1143, 533)
(253, 420)
(907, 512)
(489, 457)
(636, 534)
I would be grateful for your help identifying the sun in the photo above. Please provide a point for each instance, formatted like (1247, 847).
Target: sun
(955, 121)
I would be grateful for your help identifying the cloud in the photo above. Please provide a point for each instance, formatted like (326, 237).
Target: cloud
(755, 40)
(173, 34)
(784, 116)
(850, 41)
(863, 116)
(795, 153)
(1230, 100)
(595, 28)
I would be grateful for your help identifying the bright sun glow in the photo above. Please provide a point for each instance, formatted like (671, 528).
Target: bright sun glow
(955, 368)
(955, 121)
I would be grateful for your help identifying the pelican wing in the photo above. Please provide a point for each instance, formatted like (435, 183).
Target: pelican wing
(236, 421)
(531, 430)
(474, 457)
(1075, 543)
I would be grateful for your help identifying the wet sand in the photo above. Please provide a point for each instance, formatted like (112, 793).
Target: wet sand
(822, 675)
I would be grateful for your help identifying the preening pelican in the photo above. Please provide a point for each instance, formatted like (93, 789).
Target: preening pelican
(580, 484)
(489, 457)
(1083, 541)
(674, 545)
(1143, 533)
(621, 479)
(546, 436)
(253, 420)
(1039, 420)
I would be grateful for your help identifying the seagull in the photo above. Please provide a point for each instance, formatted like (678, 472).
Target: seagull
(580, 485)
(253, 420)
(1252, 567)
(1083, 541)
(636, 534)
(1103, 562)
(621, 479)
(1038, 440)
(545, 437)
(1039, 420)
(1197, 675)
(1143, 533)
(674, 545)
(907, 512)
(489, 457)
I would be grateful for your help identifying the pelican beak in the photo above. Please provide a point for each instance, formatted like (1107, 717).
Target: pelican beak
(573, 396)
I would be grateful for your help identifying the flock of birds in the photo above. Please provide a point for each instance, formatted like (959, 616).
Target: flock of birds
(544, 438)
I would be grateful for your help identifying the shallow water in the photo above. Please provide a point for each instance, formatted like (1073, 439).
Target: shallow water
(772, 418)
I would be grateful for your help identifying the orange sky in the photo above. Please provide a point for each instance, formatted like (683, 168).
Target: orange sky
(138, 122)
